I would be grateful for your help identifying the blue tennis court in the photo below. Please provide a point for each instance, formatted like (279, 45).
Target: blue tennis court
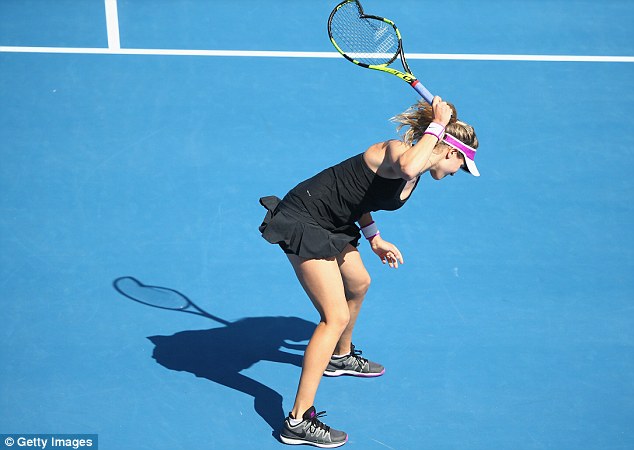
(126, 174)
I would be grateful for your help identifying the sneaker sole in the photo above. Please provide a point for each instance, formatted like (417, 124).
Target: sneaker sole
(291, 441)
(352, 373)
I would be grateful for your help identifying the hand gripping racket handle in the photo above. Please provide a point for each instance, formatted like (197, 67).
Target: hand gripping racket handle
(422, 90)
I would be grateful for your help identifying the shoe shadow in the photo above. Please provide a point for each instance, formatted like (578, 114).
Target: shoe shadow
(220, 354)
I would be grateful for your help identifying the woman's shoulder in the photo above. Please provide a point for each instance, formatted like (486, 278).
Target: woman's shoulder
(382, 157)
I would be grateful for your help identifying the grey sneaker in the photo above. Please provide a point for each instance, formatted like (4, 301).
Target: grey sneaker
(353, 364)
(312, 431)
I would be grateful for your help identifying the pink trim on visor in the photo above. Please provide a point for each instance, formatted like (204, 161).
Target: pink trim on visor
(468, 152)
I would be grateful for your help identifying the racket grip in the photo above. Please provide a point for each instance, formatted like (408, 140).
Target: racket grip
(422, 90)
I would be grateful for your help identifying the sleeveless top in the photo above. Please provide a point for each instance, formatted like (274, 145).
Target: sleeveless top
(316, 219)
(341, 194)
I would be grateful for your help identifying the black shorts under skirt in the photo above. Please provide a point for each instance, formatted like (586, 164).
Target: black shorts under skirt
(297, 232)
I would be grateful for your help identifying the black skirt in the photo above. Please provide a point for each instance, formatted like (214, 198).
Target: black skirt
(298, 233)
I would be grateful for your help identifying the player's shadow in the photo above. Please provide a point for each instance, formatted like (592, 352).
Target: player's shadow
(220, 354)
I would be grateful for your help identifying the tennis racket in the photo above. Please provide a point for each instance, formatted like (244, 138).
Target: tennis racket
(372, 42)
(160, 297)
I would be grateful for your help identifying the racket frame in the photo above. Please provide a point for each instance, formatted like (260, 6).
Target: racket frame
(406, 76)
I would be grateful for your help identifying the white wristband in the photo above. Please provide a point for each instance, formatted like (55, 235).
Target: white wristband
(435, 129)
(370, 231)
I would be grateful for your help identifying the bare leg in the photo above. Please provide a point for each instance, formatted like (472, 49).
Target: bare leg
(322, 281)
(356, 281)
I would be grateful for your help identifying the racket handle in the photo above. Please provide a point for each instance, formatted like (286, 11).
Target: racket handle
(422, 90)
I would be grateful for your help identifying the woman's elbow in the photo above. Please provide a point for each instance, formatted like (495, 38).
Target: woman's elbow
(408, 172)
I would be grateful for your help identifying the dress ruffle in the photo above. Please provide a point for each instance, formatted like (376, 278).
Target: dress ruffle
(297, 232)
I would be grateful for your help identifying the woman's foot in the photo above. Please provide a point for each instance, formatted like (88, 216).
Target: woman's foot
(353, 364)
(310, 430)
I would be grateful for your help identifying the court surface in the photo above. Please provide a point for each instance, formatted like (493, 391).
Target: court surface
(511, 324)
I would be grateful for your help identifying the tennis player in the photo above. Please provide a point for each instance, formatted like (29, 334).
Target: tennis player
(316, 226)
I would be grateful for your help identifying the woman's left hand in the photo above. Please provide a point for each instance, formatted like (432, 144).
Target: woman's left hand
(387, 251)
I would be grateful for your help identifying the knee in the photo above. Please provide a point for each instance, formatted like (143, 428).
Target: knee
(338, 320)
(359, 288)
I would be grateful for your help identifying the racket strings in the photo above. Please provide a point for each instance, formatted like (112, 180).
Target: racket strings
(365, 39)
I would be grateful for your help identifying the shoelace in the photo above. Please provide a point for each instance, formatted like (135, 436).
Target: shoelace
(356, 354)
(315, 423)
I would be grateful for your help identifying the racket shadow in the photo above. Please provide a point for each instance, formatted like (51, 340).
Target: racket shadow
(219, 354)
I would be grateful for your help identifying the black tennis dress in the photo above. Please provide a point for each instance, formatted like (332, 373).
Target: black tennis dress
(316, 219)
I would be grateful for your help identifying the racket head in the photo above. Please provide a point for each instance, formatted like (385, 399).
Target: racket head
(366, 40)
(158, 297)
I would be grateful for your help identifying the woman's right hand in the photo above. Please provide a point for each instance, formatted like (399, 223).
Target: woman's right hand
(442, 111)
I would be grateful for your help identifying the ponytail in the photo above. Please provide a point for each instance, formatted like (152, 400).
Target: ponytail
(417, 118)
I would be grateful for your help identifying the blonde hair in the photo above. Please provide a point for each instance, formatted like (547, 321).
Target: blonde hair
(418, 117)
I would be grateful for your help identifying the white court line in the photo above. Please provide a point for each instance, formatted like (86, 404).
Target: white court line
(290, 54)
(112, 25)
